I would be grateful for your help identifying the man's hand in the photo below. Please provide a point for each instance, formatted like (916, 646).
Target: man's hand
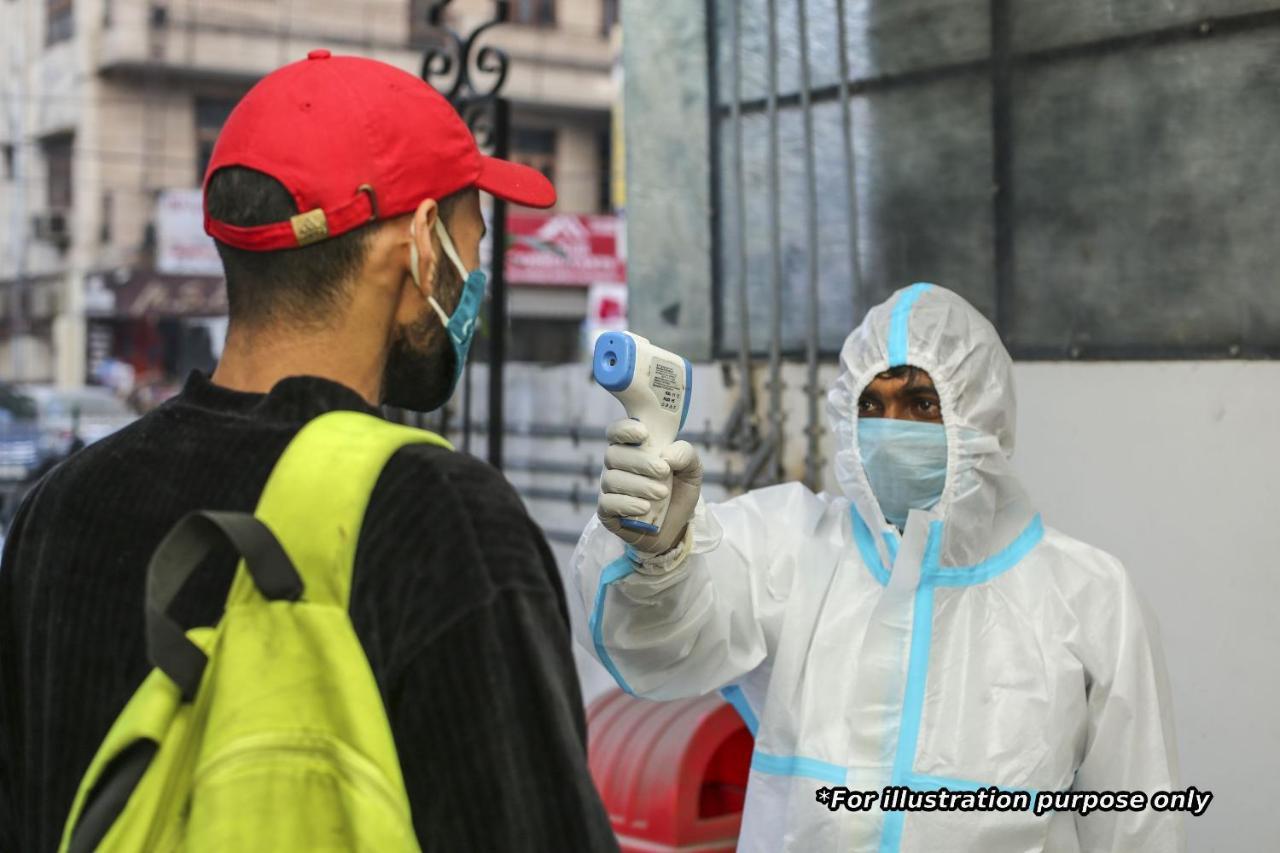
(634, 477)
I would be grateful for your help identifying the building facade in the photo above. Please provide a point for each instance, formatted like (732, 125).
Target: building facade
(111, 105)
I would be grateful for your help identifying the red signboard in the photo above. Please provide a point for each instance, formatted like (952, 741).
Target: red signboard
(560, 248)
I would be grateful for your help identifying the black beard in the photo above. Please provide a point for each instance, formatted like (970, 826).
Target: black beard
(417, 380)
(420, 364)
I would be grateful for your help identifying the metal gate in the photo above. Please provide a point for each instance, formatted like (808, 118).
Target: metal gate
(1086, 174)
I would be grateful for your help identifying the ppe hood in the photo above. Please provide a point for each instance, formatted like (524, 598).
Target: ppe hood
(983, 507)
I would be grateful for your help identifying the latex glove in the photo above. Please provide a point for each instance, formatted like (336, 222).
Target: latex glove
(633, 477)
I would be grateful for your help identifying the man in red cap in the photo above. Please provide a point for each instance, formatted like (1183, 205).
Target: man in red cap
(344, 198)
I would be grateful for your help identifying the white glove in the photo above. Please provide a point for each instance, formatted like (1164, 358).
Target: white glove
(633, 477)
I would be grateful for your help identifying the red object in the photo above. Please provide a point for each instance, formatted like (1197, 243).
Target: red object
(563, 248)
(673, 775)
(611, 309)
(354, 140)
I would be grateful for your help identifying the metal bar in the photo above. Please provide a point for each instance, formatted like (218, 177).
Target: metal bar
(590, 469)
(577, 497)
(498, 295)
(756, 463)
(568, 536)
(1142, 352)
(740, 202)
(1096, 352)
(775, 247)
(847, 88)
(867, 85)
(18, 211)
(473, 102)
(733, 430)
(850, 164)
(1185, 32)
(1002, 159)
(466, 406)
(1201, 28)
(726, 479)
(542, 430)
(586, 468)
(813, 429)
(589, 433)
(713, 172)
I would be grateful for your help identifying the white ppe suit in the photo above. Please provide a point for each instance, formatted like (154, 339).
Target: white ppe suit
(977, 648)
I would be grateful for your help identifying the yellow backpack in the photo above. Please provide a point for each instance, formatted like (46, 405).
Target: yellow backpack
(265, 732)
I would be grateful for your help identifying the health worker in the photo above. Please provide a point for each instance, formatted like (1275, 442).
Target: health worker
(923, 627)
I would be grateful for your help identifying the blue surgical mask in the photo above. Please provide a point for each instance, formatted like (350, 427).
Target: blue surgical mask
(461, 326)
(906, 464)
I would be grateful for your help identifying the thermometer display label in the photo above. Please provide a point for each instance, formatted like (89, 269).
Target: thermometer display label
(664, 379)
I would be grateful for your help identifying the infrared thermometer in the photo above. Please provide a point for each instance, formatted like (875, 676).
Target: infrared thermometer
(653, 385)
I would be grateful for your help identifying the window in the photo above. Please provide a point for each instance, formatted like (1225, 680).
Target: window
(604, 149)
(104, 228)
(1099, 187)
(59, 20)
(211, 115)
(543, 340)
(537, 13)
(536, 147)
(608, 16)
(420, 30)
(57, 158)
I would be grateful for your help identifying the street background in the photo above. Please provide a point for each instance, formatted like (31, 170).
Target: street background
(739, 182)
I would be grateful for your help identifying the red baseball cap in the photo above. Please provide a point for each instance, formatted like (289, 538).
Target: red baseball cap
(354, 140)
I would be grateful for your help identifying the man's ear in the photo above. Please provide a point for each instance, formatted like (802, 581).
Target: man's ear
(422, 235)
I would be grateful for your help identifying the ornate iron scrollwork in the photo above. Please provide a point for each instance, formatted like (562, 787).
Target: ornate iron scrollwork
(463, 70)
(471, 76)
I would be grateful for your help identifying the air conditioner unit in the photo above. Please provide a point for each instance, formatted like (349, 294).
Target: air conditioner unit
(53, 226)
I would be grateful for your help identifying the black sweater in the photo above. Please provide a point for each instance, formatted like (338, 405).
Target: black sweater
(456, 600)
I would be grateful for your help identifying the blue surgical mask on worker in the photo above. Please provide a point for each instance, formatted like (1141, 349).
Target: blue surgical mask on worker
(460, 327)
(906, 464)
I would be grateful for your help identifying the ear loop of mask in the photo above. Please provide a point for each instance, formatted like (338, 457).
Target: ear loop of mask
(446, 243)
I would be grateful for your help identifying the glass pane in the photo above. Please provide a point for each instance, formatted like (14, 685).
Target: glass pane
(788, 47)
(907, 35)
(1142, 194)
(757, 224)
(754, 57)
(1039, 24)
(924, 187)
(1145, 193)
(882, 39)
(824, 43)
(793, 236)
(924, 209)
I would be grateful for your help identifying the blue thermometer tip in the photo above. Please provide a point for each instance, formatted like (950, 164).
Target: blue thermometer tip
(614, 362)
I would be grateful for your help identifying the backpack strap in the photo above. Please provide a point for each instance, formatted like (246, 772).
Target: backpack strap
(316, 497)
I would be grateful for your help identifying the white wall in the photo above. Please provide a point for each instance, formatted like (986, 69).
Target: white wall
(1174, 468)
(1171, 466)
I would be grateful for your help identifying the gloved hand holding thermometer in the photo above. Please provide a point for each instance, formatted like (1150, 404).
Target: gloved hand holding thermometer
(651, 482)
